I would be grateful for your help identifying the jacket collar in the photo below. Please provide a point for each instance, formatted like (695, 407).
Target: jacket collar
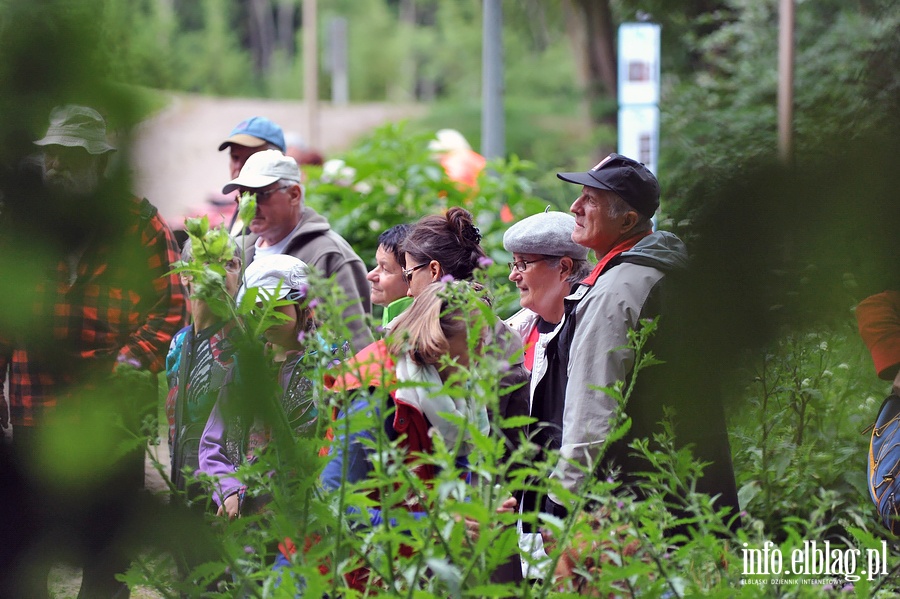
(615, 252)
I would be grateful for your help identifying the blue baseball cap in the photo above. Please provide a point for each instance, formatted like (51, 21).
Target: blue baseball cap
(254, 132)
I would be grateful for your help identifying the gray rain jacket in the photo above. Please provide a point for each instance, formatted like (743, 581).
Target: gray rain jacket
(588, 352)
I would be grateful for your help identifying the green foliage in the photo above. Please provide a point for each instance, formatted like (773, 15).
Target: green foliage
(797, 407)
(145, 43)
(721, 113)
(796, 435)
(390, 178)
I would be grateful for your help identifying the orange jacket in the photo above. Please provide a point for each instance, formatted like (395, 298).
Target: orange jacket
(878, 317)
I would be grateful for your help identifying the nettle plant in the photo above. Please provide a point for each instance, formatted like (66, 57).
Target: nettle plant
(800, 457)
(795, 441)
(797, 445)
(611, 543)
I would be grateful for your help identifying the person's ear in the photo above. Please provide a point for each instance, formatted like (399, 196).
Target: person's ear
(296, 194)
(629, 221)
(566, 265)
(434, 267)
(301, 319)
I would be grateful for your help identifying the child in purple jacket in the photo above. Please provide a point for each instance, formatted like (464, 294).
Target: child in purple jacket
(229, 441)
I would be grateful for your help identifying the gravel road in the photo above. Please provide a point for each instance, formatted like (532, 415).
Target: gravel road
(175, 159)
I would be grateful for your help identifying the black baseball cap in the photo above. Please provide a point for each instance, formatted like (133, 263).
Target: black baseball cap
(629, 179)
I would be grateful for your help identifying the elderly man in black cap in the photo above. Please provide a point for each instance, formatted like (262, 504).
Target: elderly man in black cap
(613, 213)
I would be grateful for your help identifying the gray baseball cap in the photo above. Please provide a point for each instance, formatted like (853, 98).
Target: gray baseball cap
(265, 168)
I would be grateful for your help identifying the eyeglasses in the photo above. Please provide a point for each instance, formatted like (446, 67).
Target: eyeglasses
(262, 196)
(408, 272)
(521, 265)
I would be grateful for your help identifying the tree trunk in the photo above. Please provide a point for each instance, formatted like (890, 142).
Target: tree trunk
(405, 88)
(285, 26)
(262, 33)
(593, 37)
(537, 18)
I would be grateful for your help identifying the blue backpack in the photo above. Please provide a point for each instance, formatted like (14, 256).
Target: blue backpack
(884, 463)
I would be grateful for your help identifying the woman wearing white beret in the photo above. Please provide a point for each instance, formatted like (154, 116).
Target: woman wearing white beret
(546, 264)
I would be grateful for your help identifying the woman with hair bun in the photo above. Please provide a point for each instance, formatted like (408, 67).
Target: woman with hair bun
(440, 246)
(449, 246)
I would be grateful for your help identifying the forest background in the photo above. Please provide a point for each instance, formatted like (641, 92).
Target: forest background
(786, 251)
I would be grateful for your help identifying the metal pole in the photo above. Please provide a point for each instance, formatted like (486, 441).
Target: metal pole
(785, 80)
(493, 128)
(311, 71)
(337, 61)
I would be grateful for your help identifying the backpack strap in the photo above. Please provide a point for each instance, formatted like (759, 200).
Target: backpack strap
(183, 373)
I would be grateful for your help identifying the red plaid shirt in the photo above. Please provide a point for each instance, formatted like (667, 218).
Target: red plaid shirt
(123, 306)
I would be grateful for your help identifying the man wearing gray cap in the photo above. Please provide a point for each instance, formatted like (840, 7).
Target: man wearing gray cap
(103, 308)
(283, 224)
(613, 217)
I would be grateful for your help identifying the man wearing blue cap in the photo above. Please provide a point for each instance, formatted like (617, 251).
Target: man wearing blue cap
(613, 213)
(249, 137)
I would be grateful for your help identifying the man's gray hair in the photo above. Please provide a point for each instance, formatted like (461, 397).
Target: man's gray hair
(618, 207)
(283, 182)
(580, 268)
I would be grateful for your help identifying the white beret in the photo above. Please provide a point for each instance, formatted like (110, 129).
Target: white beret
(547, 234)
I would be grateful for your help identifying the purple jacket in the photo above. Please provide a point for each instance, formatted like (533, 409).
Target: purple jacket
(221, 453)
(214, 461)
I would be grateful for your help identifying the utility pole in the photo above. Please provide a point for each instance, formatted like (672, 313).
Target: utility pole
(311, 71)
(336, 61)
(785, 80)
(493, 126)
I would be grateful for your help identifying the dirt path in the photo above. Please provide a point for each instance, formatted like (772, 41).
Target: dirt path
(175, 157)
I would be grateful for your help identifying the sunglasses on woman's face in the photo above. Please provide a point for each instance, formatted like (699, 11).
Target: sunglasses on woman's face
(408, 272)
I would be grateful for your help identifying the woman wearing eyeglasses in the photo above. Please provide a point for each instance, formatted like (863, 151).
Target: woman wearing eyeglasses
(447, 246)
(546, 264)
(442, 246)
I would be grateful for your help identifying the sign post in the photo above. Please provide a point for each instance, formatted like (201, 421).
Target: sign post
(638, 81)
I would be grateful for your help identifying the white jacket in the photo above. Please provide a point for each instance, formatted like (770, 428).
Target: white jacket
(523, 322)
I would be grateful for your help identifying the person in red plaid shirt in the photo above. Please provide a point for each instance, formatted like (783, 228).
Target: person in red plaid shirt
(102, 309)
